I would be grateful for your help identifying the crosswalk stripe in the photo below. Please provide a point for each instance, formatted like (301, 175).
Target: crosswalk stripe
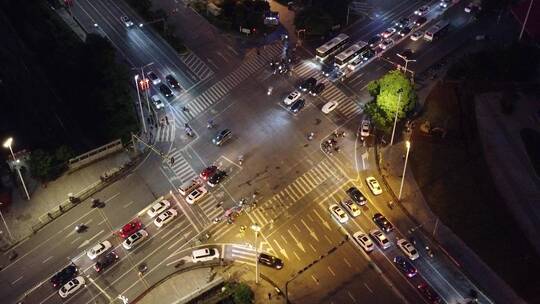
(304, 188)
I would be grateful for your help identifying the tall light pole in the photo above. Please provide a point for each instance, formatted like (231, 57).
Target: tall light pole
(255, 227)
(525, 21)
(7, 144)
(406, 61)
(140, 104)
(146, 81)
(395, 118)
(408, 146)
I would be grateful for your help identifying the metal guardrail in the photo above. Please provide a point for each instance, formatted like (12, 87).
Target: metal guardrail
(94, 155)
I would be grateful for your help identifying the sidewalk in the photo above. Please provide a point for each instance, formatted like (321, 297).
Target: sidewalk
(183, 286)
(44, 198)
(414, 205)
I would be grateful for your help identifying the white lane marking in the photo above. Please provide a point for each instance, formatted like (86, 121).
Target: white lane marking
(75, 240)
(365, 284)
(312, 248)
(86, 242)
(112, 197)
(331, 271)
(315, 279)
(46, 260)
(351, 296)
(347, 262)
(127, 205)
(17, 280)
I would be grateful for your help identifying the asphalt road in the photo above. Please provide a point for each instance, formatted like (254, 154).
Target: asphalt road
(294, 180)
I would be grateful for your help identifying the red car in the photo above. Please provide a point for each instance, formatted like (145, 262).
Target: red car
(208, 172)
(428, 293)
(130, 228)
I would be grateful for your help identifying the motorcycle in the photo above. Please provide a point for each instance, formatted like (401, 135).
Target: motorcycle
(310, 136)
(270, 91)
(210, 124)
(429, 251)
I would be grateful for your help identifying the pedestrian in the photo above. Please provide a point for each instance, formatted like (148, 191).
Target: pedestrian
(269, 296)
(166, 120)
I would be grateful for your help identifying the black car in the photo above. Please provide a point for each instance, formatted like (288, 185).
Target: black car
(375, 41)
(165, 90)
(405, 266)
(308, 84)
(382, 222)
(316, 90)
(404, 31)
(106, 261)
(420, 20)
(222, 137)
(216, 178)
(356, 196)
(172, 82)
(270, 261)
(367, 54)
(328, 69)
(64, 276)
(298, 105)
(403, 22)
(407, 53)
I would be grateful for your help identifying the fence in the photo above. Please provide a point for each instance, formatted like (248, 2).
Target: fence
(94, 155)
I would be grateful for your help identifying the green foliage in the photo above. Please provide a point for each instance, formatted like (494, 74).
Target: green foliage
(373, 88)
(41, 163)
(246, 14)
(387, 99)
(241, 293)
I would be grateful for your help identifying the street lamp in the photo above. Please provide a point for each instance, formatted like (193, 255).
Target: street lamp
(255, 227)
(406, 61)
(408, 146)
(7, 144)
(140, 104)
(395, 118)
(146, 80)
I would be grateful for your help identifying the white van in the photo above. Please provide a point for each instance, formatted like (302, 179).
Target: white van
(188, 187)
(205, 254)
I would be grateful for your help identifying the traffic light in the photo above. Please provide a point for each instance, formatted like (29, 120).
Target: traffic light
(144, 84)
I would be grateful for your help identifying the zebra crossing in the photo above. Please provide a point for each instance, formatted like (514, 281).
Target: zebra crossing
(165, 133)
(221, 88)
(278, 203)
(184, 173)
(196, 65)
(246, 253)
(347, 106)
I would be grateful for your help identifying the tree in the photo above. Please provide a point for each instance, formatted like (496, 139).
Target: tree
(242, 294)
(315, 20)
(41, 163)
(387, 91)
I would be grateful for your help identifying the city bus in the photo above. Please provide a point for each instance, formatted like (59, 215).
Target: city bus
(343, 58)
(436, 30)
(330, 48)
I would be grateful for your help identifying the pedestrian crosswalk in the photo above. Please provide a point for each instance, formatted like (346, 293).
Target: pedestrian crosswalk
(277, 204)
(246, 253)
(346, 107)
(196, 65)
(165, 133)
(184, 173)
(221, 88)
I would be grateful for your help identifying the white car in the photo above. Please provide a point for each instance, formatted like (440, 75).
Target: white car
(338, 213)
(364, 130)
(387, 43)
(329, 106)
(153, 77)
(98, 249)
(292, 97)
(158, 207)
(373, 185)
(135, 239)
(352, 207)
(389, 32)
(380, 238)
(158, 103)
(417, 35)
(196, 195)
(363, 240)
(127, 22)
(422, 11)
(205, 254)
(445, 3)
(165, 217)
(71, 287)
(408, 249)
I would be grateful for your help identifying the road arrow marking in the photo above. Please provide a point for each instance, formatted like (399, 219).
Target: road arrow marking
(325, 223)
(281, 250)
(86, 242)
(296, 241)
(311, 232)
